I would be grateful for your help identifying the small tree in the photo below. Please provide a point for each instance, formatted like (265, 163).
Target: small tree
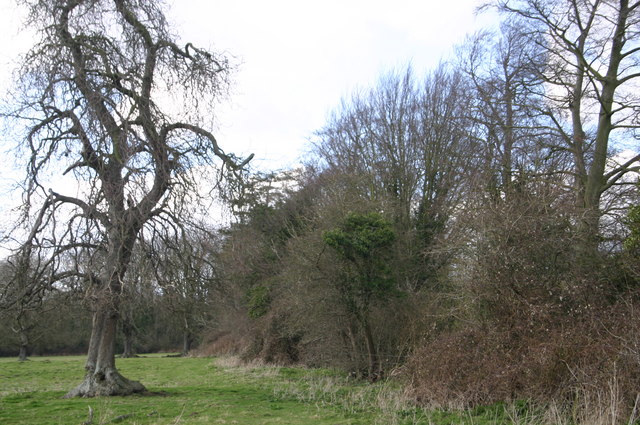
(23, 288)
(186, 274)
(362, 242)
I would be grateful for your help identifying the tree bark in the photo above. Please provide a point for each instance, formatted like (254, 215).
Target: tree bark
(595, 180)
(94, 341)
(127, 351)
(128, 333)
(102, 378)
(353, 348)
(24, 345)
(187, 340)
(374, 362)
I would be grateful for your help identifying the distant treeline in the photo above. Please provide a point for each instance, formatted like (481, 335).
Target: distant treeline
(62, 326)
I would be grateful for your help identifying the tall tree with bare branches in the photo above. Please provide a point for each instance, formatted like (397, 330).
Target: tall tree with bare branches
(114, 100)
(591, 86)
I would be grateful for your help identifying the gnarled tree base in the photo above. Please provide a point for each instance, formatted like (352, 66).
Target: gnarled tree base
(106, 383)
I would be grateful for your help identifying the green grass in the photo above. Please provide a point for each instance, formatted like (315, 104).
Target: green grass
(209, 391)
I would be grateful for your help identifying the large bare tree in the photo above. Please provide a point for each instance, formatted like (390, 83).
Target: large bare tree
(114, 100)
(591, 78)
(507, 107)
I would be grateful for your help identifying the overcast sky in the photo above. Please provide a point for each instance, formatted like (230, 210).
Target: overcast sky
(296, 58)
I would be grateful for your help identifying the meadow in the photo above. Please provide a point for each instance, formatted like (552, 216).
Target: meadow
(214, 391)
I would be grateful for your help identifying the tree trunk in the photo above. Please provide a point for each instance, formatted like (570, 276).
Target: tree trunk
(102, 378)
(595, 180)
(187, 337)
(187, 340)
(351, 348)
(374, 362)
(128, 351)
(24, 345)
(508, 143)
(588, 236)
(128, 333)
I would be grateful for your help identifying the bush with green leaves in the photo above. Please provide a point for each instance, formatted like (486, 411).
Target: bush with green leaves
(363, 245)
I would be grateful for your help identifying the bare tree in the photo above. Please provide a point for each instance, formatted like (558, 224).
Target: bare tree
(21, 299)
(591, 80)
(373, 134)
(185, 272)
(408, 141)
(111, 98)
(508, 111)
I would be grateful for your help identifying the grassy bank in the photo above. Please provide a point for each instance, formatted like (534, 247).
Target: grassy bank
(212, 391)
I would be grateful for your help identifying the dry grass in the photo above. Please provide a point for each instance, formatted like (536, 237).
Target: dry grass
(391, 402)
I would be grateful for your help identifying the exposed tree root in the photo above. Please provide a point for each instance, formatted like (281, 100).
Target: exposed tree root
(106, 383)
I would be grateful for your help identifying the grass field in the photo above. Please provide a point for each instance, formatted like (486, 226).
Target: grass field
(210, 391)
